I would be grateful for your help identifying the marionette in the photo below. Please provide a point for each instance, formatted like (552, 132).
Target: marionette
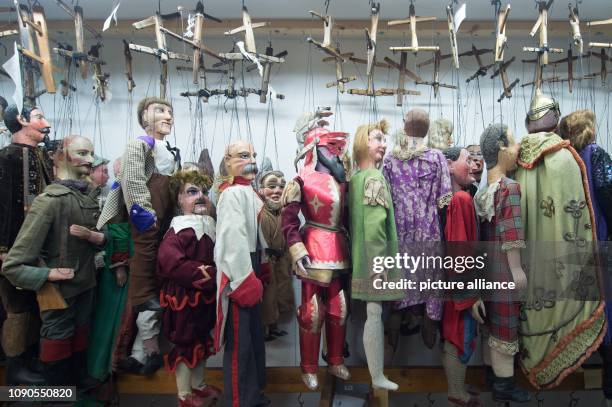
(319, 251)
(238, 257)
(556, 207)
(111, 295)
(440, 134)
(99, 176)
(187, 269)
(53, 255)
(148, 162)
(458, 325)
(498, 206)
(477, 166)
(420, 187)
(372, 227)
(278, 293)
(23, 175)
(580, 129)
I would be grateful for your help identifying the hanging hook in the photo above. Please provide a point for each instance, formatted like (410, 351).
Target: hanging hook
(573, 400)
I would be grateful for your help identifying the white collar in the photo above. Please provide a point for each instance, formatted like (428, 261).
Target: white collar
(201, 224)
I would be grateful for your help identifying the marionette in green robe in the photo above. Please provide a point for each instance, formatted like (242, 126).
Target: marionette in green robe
(559, 326)
(373, 234)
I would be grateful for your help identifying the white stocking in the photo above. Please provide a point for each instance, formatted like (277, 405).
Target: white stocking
(373, 342)
(502, 363)
(183, 380)
(197, 375)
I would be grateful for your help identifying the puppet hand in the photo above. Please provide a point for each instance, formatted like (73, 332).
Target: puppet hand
(302, 263)
(3, 256)
(80, 231)
(519, 277)
(121, 276)
(478, 311)
(204, 269)
(59, 274)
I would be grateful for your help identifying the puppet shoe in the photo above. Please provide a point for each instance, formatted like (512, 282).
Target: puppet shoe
(383, 383)
(472, 402)
(277, 332)
(129, 365)
(191, 400)
(504, 389)
(207, 392)
(310, 380)
(17, 373)
(152, 364)
(340, 371)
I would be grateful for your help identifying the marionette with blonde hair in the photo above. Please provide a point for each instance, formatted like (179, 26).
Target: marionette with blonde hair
(373, 234)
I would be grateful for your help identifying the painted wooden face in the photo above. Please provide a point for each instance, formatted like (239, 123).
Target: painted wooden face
(192, 200)
(76, 160)
(273, 187)
(158, 119)
(240, 160)
(377, 145)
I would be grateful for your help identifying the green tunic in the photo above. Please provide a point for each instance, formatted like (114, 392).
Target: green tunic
(373, 234)
(110, 303)
(558, 330)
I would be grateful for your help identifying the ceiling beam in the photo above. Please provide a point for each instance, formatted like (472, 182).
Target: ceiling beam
(346, 28)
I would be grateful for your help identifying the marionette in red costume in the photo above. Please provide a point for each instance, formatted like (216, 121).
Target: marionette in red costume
(186, 266)
(319, 251)
(238, 250)
(458, 325)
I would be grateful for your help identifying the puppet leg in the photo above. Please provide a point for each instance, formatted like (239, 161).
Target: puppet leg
(374, 344)
(504, 385)
(335, 329)
(455, 375)
(310, 316)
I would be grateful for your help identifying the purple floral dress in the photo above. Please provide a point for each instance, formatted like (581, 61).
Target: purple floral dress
(420, 185)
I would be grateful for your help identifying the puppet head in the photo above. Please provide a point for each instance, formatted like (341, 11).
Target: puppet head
(460, 166)
(543, 114)
(440, 134)
(99, 171)
(271, 187)
(190, 189)
(74, 158)
(370, 143)
(30, 127)
(477, 160)
(239, 160)
(416, 123)
(579, 128)
(499, 148)
(155, 116)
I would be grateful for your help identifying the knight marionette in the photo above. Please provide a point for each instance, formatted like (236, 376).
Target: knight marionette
(319, 251)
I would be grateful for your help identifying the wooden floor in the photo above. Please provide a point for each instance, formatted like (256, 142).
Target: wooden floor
(410, 380)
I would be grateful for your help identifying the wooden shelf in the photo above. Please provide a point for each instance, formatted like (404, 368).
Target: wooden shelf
(288, 380)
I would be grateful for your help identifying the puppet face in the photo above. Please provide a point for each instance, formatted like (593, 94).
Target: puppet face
(461, 169)
(158, 119)
(75, 161)
(240, 160)
(99, 175)
(476, 160)
(377, 145)
(272, 189)
(37, 128)
(192, 200)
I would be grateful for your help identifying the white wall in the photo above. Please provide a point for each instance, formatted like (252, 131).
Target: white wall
(302, 80)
